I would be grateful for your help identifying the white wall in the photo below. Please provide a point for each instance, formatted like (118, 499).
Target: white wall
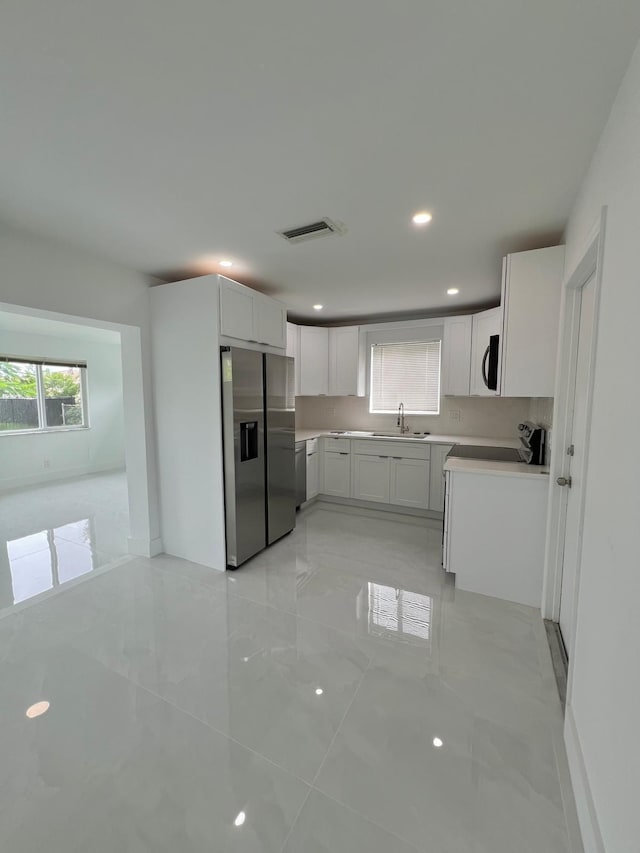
(48, 276)
(604, 705)
(189, 419)
(70, 452)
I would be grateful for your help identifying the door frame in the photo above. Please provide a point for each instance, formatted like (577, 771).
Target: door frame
(144, 538)
(589, 264)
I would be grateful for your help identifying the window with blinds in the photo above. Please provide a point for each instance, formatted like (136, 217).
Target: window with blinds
(406, 373)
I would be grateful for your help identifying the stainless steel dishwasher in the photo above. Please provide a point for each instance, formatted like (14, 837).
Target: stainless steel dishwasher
(301, 472)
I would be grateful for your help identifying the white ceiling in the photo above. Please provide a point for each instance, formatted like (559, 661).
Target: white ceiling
(28, 325)
(157, 132)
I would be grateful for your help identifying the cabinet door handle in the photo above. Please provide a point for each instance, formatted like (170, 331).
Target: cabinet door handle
(484, 366)
(343, 453)
(383, 457)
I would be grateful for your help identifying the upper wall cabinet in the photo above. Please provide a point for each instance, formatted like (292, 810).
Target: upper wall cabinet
(293, 345)
(313, 361)
(346, 374)
(292, 340)
(456, 356)
(531, 291)
(328, 361)
(249, 316)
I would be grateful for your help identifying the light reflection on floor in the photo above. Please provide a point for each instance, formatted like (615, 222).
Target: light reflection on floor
(49, 558)
(399, 613)
(53, 534)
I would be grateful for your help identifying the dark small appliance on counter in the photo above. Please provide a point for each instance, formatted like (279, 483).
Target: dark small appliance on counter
(533, 439)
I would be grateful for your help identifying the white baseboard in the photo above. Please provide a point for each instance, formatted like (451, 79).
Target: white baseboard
(10, 484)
(145, 547)
(589, 827)
(396, 509)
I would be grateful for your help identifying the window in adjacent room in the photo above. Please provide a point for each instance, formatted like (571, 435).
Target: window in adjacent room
(406, 373)
(37, 394)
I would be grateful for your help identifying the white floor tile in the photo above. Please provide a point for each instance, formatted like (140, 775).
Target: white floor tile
(336, 693)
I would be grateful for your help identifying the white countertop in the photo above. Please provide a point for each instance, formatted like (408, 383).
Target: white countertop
(306, 434)
(500, 469)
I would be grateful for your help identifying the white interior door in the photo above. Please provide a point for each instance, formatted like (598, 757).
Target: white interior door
(576, 464)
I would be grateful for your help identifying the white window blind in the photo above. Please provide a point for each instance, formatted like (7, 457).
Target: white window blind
(406, 373)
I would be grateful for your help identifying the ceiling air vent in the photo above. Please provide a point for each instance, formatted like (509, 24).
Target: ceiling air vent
(321, 228)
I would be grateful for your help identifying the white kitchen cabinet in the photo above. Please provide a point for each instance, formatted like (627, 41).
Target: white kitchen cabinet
(484, 326)
(270, 322)
(293, 337)
(436, 476)
(292, 340)
(495, 534)
(531, 292)
(336, 473)
(236, 311)
(313, 355)
(371, 478)
(313, 469)
(251, 317)
(409, 482)
(345, 362)
(456, 356)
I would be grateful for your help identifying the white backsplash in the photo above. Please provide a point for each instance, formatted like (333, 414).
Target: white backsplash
(494, 417)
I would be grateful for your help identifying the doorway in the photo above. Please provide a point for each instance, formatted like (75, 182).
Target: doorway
(64, 510)
(574, 391)
(575, 466)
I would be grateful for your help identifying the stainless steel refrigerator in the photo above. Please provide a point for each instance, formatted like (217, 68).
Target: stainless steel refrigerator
(258, 416)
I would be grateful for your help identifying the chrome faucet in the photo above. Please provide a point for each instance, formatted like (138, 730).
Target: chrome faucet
(403, 427)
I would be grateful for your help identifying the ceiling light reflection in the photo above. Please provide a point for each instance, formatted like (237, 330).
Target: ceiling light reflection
(38, 709)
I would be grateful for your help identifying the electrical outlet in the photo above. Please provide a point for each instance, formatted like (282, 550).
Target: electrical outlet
(46, 463)
(454, 414)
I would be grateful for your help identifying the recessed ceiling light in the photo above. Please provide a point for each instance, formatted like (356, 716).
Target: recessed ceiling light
(319, 691)
(452, 291)
(37, 710)
(318, 307)
(226, 263)
(240, 819)
(437, 742)
(422, 217)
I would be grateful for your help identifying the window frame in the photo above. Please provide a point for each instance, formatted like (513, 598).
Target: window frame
(38, 364)
(421, 340)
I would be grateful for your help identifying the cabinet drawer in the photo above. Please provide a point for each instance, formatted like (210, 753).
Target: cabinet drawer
(337, 445)
(312, 445)
(397, 449)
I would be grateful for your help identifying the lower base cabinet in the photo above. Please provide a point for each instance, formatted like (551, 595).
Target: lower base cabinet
(313, 471)
(391, 480)
(409, 483)
(371, 478)
(408, 475)
(436, 476)
(336, 474)
(494, 534)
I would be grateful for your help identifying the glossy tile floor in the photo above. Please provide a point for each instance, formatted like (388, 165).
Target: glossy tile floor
(53, 534)
(335, 695)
